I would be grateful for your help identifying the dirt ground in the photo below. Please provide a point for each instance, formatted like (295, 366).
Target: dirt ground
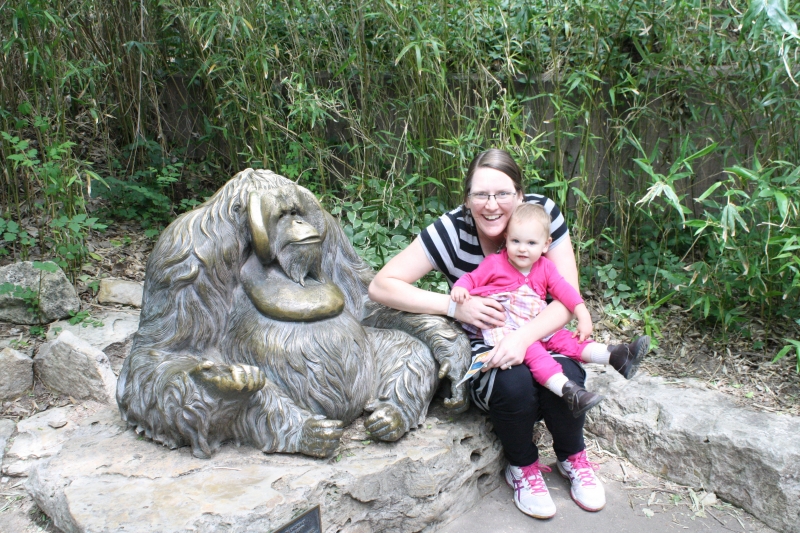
(739, 366)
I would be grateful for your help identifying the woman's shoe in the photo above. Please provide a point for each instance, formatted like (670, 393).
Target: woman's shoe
(586, 491)
(530, 492)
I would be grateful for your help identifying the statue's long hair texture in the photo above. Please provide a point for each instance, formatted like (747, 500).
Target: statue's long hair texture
(194, 309)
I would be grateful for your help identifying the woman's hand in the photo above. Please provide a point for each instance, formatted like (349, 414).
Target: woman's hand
(510, 351)
(483, 313)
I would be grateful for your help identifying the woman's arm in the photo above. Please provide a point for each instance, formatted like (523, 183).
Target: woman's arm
(511, 350)
(393, 284)
(393, 287)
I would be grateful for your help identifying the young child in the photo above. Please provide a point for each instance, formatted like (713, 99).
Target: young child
(520, 279)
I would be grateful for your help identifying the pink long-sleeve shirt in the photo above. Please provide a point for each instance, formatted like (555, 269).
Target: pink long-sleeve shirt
(495, 274)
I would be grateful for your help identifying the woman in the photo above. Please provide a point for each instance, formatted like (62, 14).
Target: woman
(455, 245)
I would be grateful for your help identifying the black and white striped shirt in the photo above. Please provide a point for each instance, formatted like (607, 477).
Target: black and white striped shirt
(452, 246)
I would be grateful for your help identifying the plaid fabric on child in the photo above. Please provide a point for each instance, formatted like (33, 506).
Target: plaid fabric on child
(520, 306)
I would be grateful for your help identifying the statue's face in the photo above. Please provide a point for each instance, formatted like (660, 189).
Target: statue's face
(288, 225)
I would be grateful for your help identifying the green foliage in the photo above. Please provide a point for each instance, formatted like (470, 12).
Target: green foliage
(16, 238)
(793, 345)
(387, 224)
(145, 194)
(60, 214)
(624, 112)
(68, 240)
(93, 284)
(84, 318)
(750, 236)
(28, 295)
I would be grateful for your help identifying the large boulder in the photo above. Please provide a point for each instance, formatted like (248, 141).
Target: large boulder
(105, 478)
(699, 437)
(16, 373)
(72, 366)
(57, 296)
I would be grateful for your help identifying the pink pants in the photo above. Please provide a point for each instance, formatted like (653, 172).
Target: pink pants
(542, 364)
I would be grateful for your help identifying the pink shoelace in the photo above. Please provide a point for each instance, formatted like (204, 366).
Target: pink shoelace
(535, 479)
(583, 469)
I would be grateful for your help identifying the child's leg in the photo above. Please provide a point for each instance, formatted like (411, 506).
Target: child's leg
(587, 351)
(544, 368)
(625, 358)
(596, 352)
(578, 399)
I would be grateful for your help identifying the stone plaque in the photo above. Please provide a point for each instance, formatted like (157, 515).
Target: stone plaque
(308, 522)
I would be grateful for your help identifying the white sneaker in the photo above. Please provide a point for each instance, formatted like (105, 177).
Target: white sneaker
(530, 492)
(587, 491)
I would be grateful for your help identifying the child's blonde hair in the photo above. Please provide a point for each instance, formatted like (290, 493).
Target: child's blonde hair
(531, 213)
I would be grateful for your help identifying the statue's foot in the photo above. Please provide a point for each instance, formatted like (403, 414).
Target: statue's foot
(386, 422)
(320, 437)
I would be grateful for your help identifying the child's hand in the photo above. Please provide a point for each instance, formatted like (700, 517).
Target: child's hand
(584, 329)
(460, 295)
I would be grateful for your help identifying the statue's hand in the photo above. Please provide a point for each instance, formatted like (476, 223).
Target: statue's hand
(454, 358)
(458, 400)
(230, 380)
(385, 423)
(320, 437)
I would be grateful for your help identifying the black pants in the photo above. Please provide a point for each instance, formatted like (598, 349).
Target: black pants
(517, 402)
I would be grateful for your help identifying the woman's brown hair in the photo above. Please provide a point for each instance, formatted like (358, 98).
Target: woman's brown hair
(498, 160)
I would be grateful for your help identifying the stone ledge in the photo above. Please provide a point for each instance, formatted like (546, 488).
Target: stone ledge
(699, 437)
(105, 478)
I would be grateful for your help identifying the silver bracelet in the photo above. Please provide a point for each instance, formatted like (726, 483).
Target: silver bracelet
(451, 311)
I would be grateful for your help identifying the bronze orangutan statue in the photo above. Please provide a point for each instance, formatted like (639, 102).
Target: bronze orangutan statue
(256, 328)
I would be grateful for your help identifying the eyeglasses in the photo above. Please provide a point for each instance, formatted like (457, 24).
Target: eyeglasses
(503, 197)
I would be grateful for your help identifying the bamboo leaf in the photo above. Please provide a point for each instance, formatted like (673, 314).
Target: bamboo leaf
(742, 173)
(708, 192)
(705, 151)
(783, 204)
(403, 52)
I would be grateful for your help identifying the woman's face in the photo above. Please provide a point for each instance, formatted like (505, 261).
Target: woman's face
(491, 217)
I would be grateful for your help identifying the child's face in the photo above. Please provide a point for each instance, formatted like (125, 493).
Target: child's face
(526, 242)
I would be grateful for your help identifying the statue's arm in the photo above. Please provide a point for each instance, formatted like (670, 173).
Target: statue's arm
(447, 342)
(181, 399)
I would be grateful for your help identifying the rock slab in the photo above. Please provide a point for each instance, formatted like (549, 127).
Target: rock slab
(7, 428)
(16, 373)
(699, 437)
(72, 366)
(57, 296)
(119, 291)
(109, 331)
(39, 437)
(421, 482)
(106, 328)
